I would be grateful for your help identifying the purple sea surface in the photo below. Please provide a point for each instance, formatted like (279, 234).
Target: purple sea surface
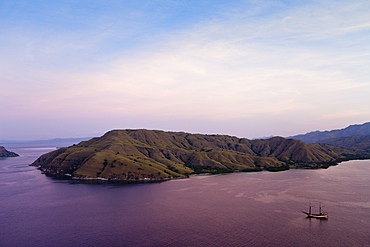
(240, 209)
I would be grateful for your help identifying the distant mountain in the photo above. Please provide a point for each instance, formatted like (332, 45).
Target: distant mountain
(135, 155)
(318, 136)
(57, 142)
(5, 153)
(360, 142)
(263, 137)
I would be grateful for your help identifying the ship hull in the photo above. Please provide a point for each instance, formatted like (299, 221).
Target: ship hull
(318, 216)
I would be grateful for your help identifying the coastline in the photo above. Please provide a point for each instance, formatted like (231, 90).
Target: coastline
(102, 180)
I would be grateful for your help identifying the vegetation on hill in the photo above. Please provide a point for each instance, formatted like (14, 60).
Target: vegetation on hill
(131, 155)
(5, 153)
(358, 141)
(351, 147)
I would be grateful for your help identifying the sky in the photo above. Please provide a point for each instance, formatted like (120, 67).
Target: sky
(76, 68)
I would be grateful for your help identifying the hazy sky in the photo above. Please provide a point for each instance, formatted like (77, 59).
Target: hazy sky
(243, 68)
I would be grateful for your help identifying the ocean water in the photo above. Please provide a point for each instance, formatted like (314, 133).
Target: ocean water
(240, 209)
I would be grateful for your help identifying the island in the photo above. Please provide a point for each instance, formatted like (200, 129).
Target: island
(155, 155)
(5, 153)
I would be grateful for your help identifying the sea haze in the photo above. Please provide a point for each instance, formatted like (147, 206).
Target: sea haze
(240, 209)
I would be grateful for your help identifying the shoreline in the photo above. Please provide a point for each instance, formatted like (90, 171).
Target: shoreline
(102, 180)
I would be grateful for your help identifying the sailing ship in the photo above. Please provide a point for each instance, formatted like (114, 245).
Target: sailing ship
(320, 215)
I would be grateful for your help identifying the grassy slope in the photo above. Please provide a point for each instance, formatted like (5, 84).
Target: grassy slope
(358, 141)
(149, 154)
(351, 147)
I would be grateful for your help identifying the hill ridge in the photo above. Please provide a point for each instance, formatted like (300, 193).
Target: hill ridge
(137, 155)
(318, 136)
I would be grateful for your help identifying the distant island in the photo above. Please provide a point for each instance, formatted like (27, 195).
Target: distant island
(5, 153)
(153, 155)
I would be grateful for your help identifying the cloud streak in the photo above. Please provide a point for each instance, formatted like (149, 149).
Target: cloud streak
(236, 62)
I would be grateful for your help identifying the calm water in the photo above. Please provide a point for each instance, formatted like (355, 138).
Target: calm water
(243, 209)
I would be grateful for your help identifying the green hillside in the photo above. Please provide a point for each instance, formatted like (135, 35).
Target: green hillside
(358, 141)
(131, 155)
